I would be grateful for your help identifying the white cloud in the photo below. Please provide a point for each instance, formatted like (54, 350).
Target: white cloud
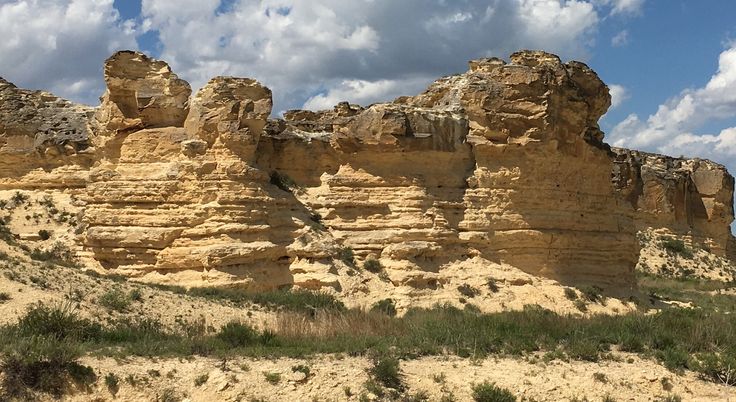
(618, 95)
(620, 39)
(672, 129)
(322, 50)
(59, 45)
(623, 7)
(364, 92)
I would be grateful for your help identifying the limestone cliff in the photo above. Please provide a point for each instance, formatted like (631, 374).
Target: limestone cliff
(690, 197)
(504, 163)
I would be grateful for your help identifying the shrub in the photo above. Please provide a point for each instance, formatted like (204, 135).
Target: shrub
(346, 255)
(592, 293)
(385, 306)
(468, 291)
(19, 198)
(489, 392)
(492, 286)
(4, 297)
(200, 380)
(44, 234)
(301, 368)
(676, 246)
(385, 370)
(112, 382)
(135, 295)
(115, 299)
(237, 334)
(372, 265)
(669, 398)
(571, 294)
(272, 378)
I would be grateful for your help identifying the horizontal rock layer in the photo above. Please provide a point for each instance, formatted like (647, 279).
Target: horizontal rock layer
(504, 162)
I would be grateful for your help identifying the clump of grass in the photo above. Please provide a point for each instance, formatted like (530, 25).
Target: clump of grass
(41, 352)
(346, 255)
(201, 380)
(492, 285)
(385, 370)
(489, 392)
(385, 306)
(372, 265)
(19, 198)
(593, 293)
(44, 234)
(676, 246)
(115, 299)
(571, 294)
(112, 382)
(468, 291)
(272, 378)
(237, 334)
(302, 368)
(4, 296)
(294, 300)
(59, 254)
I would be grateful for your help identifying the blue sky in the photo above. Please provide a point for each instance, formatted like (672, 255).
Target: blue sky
(670, 64)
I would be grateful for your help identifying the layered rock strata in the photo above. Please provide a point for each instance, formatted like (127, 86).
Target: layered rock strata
(690, 197)
(504, 163)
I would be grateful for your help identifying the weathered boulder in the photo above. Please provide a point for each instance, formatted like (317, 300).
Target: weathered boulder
(141, 93)
(230, 112)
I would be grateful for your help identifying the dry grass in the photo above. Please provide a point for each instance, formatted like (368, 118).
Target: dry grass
(330, 324)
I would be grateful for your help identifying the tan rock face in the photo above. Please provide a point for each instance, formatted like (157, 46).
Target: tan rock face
(504, 163)
(692, 197)
(141, 93)
(44, 140)
(230, 112)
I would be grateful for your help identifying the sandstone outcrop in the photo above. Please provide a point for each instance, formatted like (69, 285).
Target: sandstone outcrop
(504, 163)
(691, 197)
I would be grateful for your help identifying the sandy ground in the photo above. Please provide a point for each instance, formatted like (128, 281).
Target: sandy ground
(655, 259)
(338, 378)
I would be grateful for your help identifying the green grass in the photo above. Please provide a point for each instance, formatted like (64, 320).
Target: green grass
(702, 293)
(695, 339)
(488, 392)
(676, 246)
(294, 300)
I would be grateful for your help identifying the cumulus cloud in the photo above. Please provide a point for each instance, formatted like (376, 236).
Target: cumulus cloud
(59, 45)
(620, 39)
(624, 7)
(618, 95)
(672, 129)
(313, 53)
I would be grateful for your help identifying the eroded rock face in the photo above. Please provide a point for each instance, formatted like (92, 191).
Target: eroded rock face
(691, 197)
(504, 163)
(142, 93)
(40, 132)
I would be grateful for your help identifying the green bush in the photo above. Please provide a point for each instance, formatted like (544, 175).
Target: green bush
(571, 294)
(467, 290)
(347, 256)
(385, 306)
(489, 392)
(676, 246)
(385, 370)
(44, 234)
(112, 382)
(372, 265)
(115, 299)
(237, 334)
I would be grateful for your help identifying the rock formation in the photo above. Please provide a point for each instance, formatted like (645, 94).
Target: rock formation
(505, 162)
